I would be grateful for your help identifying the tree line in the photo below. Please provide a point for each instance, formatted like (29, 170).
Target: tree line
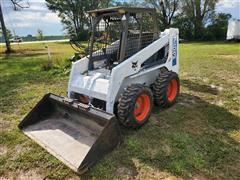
(196, 19)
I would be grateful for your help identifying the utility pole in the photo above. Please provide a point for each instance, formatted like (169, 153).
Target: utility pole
(4, 30)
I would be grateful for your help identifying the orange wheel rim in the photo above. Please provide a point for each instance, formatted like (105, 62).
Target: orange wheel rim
(172, 90)
(142, 107)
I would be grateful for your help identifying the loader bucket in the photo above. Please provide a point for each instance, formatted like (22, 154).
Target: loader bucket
(75, 135)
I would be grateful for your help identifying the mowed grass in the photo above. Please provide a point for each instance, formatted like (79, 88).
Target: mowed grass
(199, 137)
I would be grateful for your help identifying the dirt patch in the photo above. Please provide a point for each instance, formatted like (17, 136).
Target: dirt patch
(23, 175)
(147, 172)
(124, 172)
(235, 135)
(218, 103)
(20, 148)
(74, 178)
(3, 150)
(4, 125)
(199, 177)
(30, 175)
(228, 56)
(156, 175)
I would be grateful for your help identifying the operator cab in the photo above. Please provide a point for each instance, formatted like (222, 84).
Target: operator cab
(120, 32)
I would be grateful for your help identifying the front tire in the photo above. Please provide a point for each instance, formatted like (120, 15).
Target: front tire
(135, 105)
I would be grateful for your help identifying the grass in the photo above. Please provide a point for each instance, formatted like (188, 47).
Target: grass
(199, 137)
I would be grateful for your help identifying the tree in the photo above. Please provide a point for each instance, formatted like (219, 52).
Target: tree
(9, 34)
(217, 30)
(17, 5)
(73, 16)
(4, 30)
(39, 35)
(105, 3)
(185, 26)
(199, 12)
(166, 10)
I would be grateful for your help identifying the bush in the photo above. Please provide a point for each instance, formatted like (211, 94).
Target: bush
(47, 66)
(57, 66)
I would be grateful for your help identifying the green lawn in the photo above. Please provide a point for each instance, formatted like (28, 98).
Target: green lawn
(197, 138)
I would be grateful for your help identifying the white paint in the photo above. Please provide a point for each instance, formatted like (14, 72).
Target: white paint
(107, 86)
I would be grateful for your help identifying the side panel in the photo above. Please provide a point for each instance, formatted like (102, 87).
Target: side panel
(78, 68)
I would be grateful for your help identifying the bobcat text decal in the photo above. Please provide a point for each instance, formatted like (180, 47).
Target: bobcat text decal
(174, 52)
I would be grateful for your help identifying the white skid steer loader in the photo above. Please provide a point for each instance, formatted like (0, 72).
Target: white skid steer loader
(129, 67)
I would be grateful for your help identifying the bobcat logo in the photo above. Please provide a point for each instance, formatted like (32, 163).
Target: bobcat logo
(135, 65)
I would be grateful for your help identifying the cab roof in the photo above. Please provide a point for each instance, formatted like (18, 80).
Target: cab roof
(121, 10)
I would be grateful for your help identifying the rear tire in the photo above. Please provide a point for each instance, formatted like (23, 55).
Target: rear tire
(166, 89)
(135, 106)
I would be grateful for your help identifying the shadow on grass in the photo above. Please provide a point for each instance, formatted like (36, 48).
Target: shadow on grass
(193, 138)
(199, 87)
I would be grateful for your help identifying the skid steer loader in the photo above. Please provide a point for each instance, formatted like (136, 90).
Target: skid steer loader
(129, 67)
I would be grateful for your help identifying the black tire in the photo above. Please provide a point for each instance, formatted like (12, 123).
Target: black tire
(160, 89)
(126, 111)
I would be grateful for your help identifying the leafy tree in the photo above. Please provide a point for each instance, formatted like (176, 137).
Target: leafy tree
(166, 10)
(105, 3)
(198, 12)
(40, 35)
(9, 34)
(128, 3)
(73, 16)
(185, 26)
(217, 30)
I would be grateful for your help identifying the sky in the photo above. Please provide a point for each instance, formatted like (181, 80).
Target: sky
(37, 16)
